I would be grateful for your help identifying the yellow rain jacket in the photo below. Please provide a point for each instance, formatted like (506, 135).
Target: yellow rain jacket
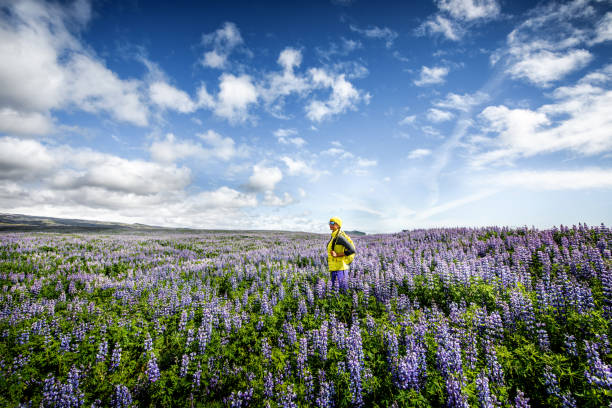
(343, 244)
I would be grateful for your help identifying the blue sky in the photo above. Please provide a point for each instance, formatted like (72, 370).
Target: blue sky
(247, 115)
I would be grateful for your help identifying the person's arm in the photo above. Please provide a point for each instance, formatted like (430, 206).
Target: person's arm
(349, 248)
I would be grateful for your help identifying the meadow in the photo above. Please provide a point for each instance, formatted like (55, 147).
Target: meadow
(486, 317)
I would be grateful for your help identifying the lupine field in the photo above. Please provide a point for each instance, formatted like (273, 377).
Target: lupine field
(490, 317)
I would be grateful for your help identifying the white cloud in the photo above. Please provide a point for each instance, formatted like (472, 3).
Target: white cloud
(470, 9)
(578, 120)
(542, 56)
(224, 40)
(45, 67)
(283, 136)
(24, 123)
(264, 178)
(461, 102)
(235, 96)
(419, 153)
(603, 31)
(24, 159)
(589, 178)
(544, 67)
(270, 199)
(223, 197)
(437, 115)
(441, 25)
(430, 76)
(385, 34)
(167, 96)
(344, 96)
(407, 120)
(171, 149)
(280, 85)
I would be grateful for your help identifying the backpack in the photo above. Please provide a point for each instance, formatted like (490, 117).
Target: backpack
(349, 258)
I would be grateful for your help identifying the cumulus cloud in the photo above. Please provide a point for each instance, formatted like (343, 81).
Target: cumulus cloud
(297, 167)
(45, 67)
(344, 96)
(431, 76)
(168, 97)
(24, 159)
(271, 200)
(264, 178)
(224, 40)
(66, 182)
(542, 56)
(603, 30)
(171, 149)
(236, 94)
(463, 102)
(24, 123)
(286, 136)
(385, 34)
(470, 9)
(281, 84)
(577, 120)
(419, 153)
(544, 67)
(441, 25)
(437, 115)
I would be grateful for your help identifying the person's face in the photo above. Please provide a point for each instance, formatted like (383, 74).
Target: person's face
(333, 226)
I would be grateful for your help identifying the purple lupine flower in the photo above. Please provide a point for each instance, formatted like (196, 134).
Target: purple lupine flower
(268, 385)
(183, 321)
(309, 384)
(495, 369)
(302, 357)
(122, 398)
(189, 339)
(355, 363)
(567, 400)
(266, 350)
(196, 376)
(290, 332)
(455, 396)
(287, 398)
(184, 365)
(551, 382)
(598, 372)
(116, 357)
(152, 369)
(520, 401)
(148, 343)
(326, 392)
(321, 340)
(239, 399)
(485, 398)
(102, 351)
(543, 337)
(570, 345)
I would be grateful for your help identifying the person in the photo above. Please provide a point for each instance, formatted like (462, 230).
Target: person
(339, 250)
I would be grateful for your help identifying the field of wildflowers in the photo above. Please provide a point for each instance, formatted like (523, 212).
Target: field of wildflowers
(488, 317)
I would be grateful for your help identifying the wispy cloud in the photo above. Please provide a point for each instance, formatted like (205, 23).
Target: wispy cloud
(432, 76)
(223, 41)
(578, 120)
(384, 33)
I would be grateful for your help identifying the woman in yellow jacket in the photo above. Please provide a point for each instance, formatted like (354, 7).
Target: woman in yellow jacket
(340, 253)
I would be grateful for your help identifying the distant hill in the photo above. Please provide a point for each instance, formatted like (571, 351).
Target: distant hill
(19, 222)
(355, 232)
(22, 223)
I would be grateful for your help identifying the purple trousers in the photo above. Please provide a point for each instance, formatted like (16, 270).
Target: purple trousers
(341, 277)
